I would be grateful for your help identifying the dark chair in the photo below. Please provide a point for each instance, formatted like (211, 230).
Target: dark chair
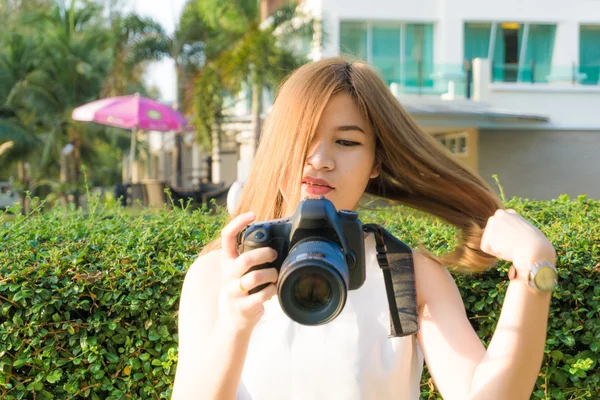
(203, 194)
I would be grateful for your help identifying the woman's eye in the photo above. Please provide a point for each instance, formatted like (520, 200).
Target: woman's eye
(348, 143)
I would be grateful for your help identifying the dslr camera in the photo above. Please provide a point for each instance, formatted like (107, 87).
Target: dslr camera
(320, 256)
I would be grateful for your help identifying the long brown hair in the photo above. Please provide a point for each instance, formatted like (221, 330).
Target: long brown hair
(415, 170)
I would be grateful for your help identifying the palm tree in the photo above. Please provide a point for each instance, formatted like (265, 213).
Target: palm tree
(246, 50)
(185, 47)
(76, 44)
(52, 60)
(15, 141)
(127, 69)
(12, 7)
(21, 81)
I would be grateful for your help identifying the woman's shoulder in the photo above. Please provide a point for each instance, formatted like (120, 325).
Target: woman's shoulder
(207, 260)
(204, 271)
(432, 279)
(199, 298)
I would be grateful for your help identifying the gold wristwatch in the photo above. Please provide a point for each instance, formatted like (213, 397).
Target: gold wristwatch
(543, 276)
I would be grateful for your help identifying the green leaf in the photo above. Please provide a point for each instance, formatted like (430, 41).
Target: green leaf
(156, 362)
(138, 375)
(23, 294)
(113, 358)
(54, 376)
(568, 340)
(96, 367)
(163, 330)
(61, 362)
(557, 355)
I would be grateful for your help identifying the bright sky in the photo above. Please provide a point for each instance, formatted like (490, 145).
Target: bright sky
(161, 74)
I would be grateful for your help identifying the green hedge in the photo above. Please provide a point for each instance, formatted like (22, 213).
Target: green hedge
(88, 301)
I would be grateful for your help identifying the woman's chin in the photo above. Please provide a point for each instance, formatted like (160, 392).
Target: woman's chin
(306, 194)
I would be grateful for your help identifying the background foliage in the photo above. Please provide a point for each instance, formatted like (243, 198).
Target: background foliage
(88, 302)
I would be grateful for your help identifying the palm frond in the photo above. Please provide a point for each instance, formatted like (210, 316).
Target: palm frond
(232, 17)
(149, 48)
(11, 132)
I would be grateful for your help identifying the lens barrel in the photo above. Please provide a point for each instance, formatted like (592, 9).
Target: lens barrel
(313, 282)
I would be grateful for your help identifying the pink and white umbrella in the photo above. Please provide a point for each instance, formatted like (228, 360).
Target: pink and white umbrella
(131, 112)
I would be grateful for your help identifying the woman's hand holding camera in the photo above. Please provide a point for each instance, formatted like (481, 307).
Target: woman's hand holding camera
(237, 307)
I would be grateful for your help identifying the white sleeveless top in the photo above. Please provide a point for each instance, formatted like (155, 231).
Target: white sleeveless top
(349, 358)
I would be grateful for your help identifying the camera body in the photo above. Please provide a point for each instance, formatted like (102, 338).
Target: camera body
(316, 244)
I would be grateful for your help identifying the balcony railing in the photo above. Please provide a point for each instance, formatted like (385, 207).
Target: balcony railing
(421, 79)
(543, 73)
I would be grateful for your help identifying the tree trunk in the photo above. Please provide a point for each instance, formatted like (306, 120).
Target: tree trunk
(257, 99)
(179, 158)
(177, 105)
(22, 177)
(177, 101)
(215, 170)
(76, 171)
(64, 176)
(132, 148)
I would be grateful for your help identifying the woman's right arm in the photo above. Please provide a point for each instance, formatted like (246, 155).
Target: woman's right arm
(216, 317)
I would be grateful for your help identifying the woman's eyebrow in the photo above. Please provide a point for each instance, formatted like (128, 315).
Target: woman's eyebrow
(345, 128)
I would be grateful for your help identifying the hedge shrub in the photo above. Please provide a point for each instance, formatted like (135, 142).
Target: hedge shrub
(88, 302)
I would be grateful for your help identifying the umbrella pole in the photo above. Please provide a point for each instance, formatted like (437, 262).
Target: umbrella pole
(132, 154)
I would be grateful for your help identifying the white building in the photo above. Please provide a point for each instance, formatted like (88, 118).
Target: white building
(422, 46)
(530, 112)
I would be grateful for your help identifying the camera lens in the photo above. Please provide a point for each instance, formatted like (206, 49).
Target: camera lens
(312, 291)
(313, 282)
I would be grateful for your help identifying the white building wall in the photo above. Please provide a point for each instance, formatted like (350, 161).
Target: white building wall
(448, 35)
(569, 107)
(449, 17)
(566, 105)
(572, 108)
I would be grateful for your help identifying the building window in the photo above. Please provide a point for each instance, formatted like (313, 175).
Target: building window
(589, 54)
(353, 39)
(455, 142)
(403, 53)
(386, 53)
(477, 40)
(520, 52)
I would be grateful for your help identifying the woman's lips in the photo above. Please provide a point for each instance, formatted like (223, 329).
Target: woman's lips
(316, 190)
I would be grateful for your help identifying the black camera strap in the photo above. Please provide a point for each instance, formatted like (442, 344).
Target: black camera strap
(396, 262)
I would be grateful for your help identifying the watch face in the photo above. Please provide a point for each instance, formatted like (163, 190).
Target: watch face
(545, 279)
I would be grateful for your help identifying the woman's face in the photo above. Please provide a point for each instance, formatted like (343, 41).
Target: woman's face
(341, 159)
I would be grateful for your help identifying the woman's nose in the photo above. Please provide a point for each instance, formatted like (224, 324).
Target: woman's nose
(320, 157)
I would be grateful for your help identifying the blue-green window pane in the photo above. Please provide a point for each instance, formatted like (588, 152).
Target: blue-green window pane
(418, 55)
(540, 48)
(477, 40)
(386, 52)
(589, 53)
(353, 39)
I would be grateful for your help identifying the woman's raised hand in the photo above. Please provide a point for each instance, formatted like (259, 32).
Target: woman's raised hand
(238, 308)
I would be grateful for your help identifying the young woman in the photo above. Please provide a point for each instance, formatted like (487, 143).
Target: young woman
(336, 130)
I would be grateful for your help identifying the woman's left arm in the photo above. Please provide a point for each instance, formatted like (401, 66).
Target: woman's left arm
(457, 360)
